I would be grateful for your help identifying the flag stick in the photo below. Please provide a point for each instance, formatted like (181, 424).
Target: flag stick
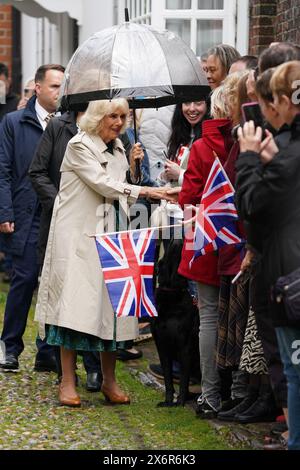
(229, 182)
(236, 277)
(138, 230)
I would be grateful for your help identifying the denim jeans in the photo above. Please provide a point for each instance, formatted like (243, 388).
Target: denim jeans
(208, 298)
(289, 345)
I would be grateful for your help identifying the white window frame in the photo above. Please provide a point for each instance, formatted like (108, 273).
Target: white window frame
(235, 16)
(235, 33)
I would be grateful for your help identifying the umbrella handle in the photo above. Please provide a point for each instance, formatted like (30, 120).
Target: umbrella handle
(137, 173)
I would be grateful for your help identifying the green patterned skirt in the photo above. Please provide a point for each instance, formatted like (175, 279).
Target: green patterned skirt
(78, 341)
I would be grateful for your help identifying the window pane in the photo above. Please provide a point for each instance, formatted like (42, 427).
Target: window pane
(178, 4)
(180, 27)
(210, 4)
(209, 34)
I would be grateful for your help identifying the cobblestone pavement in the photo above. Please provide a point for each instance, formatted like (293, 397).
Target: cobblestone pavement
(31, 418)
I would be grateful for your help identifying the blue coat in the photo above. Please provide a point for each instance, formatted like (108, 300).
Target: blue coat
(20, 132)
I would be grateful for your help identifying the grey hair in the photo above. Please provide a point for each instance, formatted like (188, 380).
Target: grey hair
(97, 110)
(226, 54)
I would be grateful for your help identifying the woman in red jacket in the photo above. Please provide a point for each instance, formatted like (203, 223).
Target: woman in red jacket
(216, 139)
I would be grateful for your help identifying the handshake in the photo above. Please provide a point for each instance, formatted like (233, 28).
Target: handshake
(167, 193)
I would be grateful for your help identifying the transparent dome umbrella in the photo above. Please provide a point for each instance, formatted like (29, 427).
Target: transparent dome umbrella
(134, 61)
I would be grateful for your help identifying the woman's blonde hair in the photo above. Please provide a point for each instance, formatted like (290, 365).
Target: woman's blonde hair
(218, 108)
(91, 121)
(231, 84)
(286, 80)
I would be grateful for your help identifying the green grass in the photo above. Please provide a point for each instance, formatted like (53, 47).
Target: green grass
(30, 417)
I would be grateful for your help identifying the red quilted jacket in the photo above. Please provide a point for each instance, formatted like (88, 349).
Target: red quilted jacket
(216, 137)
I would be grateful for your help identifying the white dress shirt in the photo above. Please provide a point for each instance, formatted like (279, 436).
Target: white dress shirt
(42, 114)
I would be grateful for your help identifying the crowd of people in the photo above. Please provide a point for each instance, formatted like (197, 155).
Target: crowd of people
(57, 171)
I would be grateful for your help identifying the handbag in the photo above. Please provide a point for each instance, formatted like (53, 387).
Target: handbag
(287, 290)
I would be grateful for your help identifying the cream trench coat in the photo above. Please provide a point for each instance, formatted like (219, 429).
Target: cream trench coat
(72, 292)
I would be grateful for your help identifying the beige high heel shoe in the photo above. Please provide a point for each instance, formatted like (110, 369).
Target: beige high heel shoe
(67, 400)
(115, 398)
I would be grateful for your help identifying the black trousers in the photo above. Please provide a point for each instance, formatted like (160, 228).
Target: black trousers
(260, 295)
(25, 271)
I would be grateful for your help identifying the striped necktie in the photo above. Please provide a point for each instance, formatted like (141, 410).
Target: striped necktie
(48, 117)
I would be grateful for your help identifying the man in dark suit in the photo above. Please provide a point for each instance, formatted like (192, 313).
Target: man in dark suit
(20, 210)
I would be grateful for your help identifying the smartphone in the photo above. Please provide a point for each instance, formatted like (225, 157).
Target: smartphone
(252, 112)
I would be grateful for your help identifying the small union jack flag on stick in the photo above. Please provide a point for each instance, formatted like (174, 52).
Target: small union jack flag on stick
(127, 260)
(216, 219)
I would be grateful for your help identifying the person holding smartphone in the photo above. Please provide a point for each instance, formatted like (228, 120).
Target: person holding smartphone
(268, 193)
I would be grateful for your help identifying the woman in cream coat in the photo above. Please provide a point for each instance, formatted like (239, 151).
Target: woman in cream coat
(73, 302)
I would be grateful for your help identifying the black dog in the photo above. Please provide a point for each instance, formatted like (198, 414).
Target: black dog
(176, 329)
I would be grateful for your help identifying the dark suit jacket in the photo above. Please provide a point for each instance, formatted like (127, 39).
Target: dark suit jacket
(20, 132)
(44, 170)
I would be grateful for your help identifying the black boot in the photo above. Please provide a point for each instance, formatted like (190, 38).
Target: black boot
(231, 414)
(231, 403)
(262, 410)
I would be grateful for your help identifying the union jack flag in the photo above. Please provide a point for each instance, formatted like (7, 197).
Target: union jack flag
(127, 260)
(217, 216)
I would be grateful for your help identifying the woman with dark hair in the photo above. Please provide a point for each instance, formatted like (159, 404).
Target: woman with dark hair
(216, 140)
(186, 128)
(186, 122)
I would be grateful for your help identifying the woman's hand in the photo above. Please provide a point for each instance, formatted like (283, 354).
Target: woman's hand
(268, 148)
(247, 261)
(157, 193)
(136, 155)
(172, 170)
(174, 192)
(250, 138)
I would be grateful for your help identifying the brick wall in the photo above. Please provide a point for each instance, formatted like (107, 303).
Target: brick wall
(273, 20)
(6, 35)
(262, 24)
(288, 21)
